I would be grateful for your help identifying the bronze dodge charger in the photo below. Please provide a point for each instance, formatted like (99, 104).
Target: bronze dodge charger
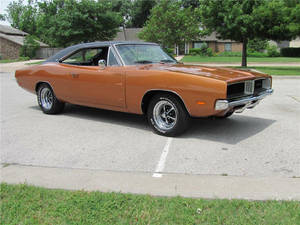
(139, 77)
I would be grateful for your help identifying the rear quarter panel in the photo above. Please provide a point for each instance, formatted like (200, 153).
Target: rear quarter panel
(50, 73)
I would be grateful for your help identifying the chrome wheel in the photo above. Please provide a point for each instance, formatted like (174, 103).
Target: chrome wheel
(165, 115)
(46, 98)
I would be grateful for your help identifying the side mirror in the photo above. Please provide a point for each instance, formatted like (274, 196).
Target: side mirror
(102, 64)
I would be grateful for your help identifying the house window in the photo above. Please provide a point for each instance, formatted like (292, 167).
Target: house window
(228, 47)
(199, 44)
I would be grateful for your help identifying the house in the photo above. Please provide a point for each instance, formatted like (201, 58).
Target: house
(216, 44)
(295, 43)
(286, 44)
(128, 34)
(11, 41)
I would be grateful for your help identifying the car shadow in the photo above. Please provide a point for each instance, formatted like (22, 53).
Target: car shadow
(104, 116)
(231, 130)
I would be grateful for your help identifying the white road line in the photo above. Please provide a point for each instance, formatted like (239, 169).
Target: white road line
(161, 163)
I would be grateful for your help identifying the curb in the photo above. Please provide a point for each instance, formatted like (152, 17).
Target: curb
(195, 186)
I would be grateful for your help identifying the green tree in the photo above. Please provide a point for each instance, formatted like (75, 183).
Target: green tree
(60, 23)
(23, 16)
(190, 3)
(294, 26)
(171, 24)
(140, 12)
(124, 8)
(241, 20)
(30, 47)
(66, 22)
(257, 45)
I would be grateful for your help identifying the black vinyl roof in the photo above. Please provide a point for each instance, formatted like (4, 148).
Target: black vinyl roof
(69, 50)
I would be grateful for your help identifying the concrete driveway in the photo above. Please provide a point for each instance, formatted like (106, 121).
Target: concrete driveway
(261, 143)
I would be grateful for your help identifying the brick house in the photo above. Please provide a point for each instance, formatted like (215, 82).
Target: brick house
(216, 44)
(11, 41)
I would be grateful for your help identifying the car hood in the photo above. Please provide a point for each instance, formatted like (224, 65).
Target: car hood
(224, 74)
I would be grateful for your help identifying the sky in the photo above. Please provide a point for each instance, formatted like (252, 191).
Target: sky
(3, 5)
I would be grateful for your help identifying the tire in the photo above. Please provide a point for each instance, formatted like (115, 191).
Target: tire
(167, 116)
(47, 100)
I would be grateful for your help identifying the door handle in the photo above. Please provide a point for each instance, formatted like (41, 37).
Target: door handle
(75, 75)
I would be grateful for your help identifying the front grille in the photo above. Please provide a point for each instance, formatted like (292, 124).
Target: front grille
(248, 87)
(235, 90)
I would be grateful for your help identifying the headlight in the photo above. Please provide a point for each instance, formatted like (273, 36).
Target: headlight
(221, 104)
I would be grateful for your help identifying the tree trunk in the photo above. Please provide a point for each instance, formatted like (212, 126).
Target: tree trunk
(244, 53)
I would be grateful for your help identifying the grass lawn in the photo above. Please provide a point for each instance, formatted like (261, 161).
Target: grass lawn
(276, 70)
(35, 63)
(223, 59)
(14, 60)
(22, 204)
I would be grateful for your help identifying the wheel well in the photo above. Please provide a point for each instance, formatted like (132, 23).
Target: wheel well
(39, 84)
(149, 95)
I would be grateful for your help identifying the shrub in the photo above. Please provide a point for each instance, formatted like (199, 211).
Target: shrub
(195, 51)
(30, 47)
(272, 51)
(203, 51)
(209, 52)
(290, 52)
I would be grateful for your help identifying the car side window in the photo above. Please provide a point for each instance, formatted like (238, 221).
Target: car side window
(112, 60)
(87, 57)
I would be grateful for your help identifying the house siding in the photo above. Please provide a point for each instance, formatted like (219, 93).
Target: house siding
(237, 47)
(8, 49)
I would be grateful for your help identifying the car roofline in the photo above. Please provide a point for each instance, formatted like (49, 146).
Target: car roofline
(74, 48)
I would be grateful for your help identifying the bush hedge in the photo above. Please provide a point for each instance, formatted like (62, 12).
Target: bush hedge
(272, 51)
(239, 54)
(290, 52)
(204, 51)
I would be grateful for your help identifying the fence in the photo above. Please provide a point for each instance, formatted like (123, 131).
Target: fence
(44, 53)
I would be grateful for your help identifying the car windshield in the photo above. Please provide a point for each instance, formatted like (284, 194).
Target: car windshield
(143, 54)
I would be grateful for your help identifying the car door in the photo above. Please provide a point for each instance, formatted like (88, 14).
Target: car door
(92, 85)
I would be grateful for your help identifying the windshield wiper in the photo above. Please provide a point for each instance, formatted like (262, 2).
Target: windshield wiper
(143, 61)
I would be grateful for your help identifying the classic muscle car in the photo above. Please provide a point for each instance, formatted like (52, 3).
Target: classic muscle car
(139, 77)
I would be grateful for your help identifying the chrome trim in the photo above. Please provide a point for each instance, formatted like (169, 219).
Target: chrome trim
(165, 115)
(107, 60)
(111, 50)
(174, 92)
(243, 81)
(119, 56)
(135, 44)
(245, 101)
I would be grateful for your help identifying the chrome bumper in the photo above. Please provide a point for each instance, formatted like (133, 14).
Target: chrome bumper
(242, 104)
(250, 99)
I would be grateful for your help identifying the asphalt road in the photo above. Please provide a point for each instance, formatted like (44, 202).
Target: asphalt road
(260, 142)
